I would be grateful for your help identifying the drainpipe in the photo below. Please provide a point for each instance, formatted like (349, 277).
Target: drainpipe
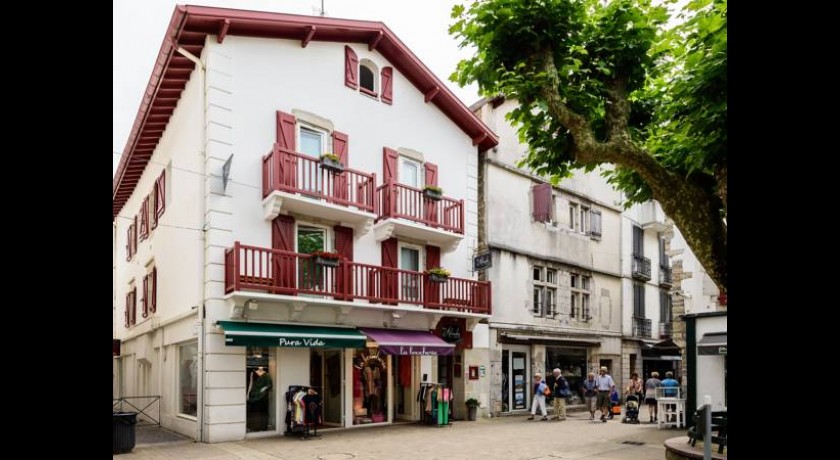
(200, 308)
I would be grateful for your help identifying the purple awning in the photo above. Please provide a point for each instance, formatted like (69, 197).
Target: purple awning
(402, 342)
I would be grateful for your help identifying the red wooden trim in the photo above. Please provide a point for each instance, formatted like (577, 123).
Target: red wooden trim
(387, 80)
(362, 89)
(375, 42)
(309, 34)
(154, 290)
(432, 93)
(351, 68)
(160, 189)
(144, 299)
(478, 139)
(223, 30)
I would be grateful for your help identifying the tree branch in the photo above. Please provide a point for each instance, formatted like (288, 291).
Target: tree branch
(617, 108)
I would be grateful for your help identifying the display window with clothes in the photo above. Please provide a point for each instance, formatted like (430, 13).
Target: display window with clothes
(259, 408)
(572, 364)
(370, 387)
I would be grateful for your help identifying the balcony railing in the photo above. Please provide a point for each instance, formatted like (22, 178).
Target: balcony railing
(287, 171)
(665, 329)
(641, 267)
(289, 273)
(641, 327)
(402, 201)
(666, 278)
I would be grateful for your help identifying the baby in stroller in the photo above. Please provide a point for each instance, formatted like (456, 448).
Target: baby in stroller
(631, 409)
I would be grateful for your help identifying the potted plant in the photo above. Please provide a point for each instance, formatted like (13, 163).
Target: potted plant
(438, 274)
(433, 192)
(327, 259)
(472, 408)
(331, 162)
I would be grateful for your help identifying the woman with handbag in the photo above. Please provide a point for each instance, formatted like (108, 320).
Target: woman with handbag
(541, 390)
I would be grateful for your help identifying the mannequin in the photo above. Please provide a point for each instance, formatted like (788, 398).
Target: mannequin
(258, 392)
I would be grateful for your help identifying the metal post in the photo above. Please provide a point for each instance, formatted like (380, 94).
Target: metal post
(707, 436)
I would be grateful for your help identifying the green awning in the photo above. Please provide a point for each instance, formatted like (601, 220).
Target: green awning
(287, 335)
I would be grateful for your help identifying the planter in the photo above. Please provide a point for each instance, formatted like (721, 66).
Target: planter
(432, 194)
(437, 278)
(332, 166)
(471, 413)
(326, 261)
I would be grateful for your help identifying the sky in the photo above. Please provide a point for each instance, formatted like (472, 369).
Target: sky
(139, 26)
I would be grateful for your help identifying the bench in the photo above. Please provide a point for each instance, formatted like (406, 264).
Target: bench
(718, 425)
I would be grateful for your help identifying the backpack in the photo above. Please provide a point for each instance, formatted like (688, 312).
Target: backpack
(563, 387)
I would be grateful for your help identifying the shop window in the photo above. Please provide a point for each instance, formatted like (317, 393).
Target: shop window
(370, 387)
(188, 379)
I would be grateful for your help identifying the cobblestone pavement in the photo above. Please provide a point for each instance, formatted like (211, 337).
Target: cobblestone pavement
(506, 438)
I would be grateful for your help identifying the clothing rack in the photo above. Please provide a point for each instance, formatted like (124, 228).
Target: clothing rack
(303, 411)
(434, 401)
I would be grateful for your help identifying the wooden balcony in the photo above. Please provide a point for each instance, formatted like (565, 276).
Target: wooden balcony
(249, 268)
(406, 211)
(293, 182)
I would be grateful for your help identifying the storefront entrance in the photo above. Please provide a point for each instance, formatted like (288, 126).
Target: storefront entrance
(516, 385)
(326, 377)
(260, 399)
(572, 362)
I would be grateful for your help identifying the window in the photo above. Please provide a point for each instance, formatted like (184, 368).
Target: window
(545, 292)
(638, 241)
(131, 240)
(312, 143)
(411, 172)
(144, 219)
(580, 290)
(579, 218)
(595, 224)
(149, 300)
(574, 224)
(638, 300)
(409, 260)
(188, 379)
(367, 78)
(665, 313)
(131, 305)
(309, 240)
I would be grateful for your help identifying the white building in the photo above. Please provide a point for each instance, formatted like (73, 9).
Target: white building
(556, 270)
(647, 282)
(222, 203)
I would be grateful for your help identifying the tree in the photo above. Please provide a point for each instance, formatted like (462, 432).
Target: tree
(608, 83)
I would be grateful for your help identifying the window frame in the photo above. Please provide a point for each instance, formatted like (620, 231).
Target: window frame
(580, 295)
(544, 291)
(194, 383)
(374, 70)
(409, 285)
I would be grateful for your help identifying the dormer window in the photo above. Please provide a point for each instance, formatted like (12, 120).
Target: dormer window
(365, 77)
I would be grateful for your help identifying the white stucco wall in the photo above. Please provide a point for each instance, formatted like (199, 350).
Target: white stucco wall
(271, 75)
(710, 369)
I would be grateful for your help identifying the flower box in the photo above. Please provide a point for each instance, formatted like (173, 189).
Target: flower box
(330, 163)
(327, 259)
(438, 278)
(433, 193)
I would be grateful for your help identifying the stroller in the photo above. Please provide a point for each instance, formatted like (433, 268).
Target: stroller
(631, 409)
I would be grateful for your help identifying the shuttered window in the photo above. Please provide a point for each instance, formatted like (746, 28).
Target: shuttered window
(595, 224)
(160, 192)
(541, 200)
(388, 85)
(351, 68)
(144, 219)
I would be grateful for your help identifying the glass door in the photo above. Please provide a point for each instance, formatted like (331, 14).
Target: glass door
(410, 282)
(309, 240)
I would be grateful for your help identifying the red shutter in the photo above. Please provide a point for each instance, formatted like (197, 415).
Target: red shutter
(160, 191)
(432, 257)
(343, 246)
(127, 303)
(133, 310)
(153, 207)
(286, 130)
(389, 175)
(389, 279)
(153, 306)
(283, 238)
(389, 165)
(351, 68)
(387, 85)
(431, 206)
(128, 253)
(432, 289)
(431, 174)
(341, 148)
(134, 237)
(144, 219)
(145, 300)
(542, 202)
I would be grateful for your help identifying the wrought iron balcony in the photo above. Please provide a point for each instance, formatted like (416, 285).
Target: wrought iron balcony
(666, 278)
(641, 327)
(665, 330)
(641, 267)
(289, 273)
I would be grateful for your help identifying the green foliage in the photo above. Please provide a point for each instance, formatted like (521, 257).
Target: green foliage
(472, 402)
(674, 79)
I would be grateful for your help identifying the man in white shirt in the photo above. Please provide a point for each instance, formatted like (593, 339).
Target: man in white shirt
(605, 385)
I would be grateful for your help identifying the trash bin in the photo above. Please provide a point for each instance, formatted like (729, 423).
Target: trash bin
(124, 423)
